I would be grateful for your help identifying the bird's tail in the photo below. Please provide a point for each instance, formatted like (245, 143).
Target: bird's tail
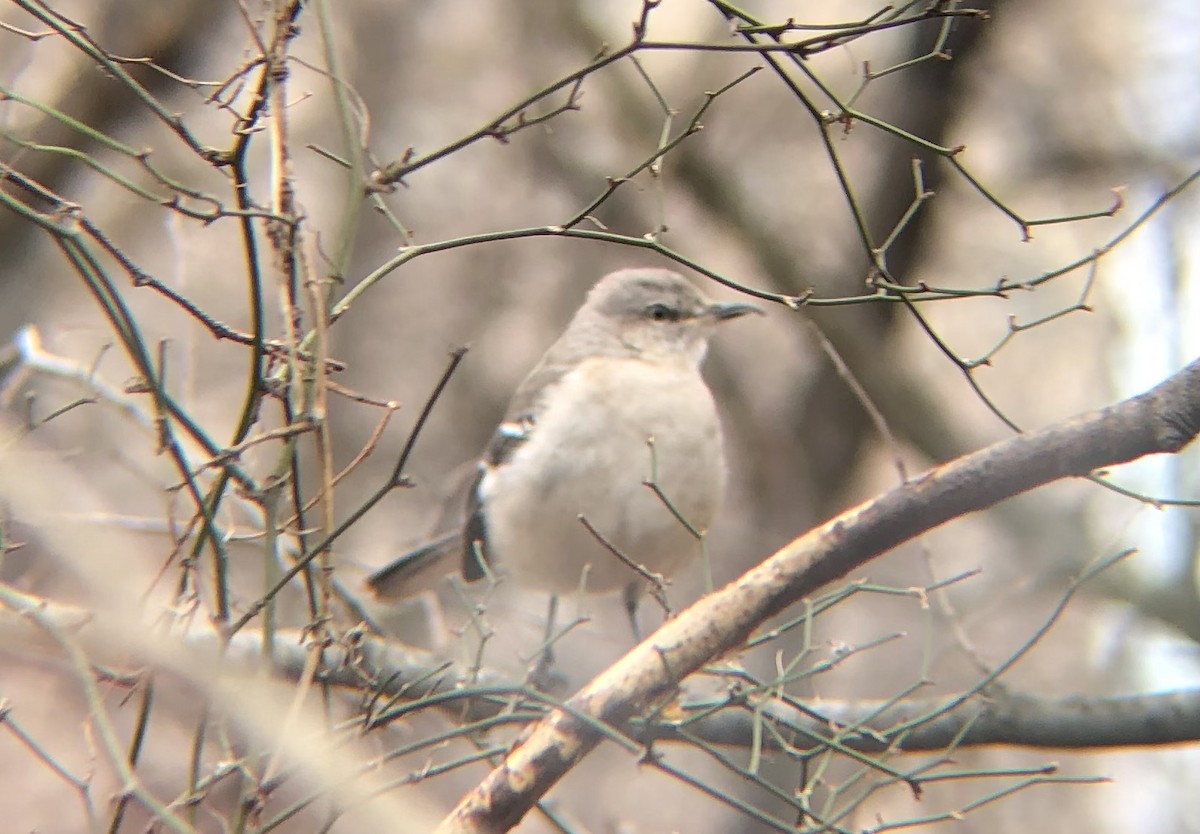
(419, 569)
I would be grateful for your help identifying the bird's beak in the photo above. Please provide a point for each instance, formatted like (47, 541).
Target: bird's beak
(723, 312)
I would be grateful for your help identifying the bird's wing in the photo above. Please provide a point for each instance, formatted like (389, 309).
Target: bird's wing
(468, 541)
(520, 421)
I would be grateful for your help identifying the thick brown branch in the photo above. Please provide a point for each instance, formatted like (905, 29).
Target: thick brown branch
(420, 680)
(1162, 420)
(1077, 723)
(912, 724)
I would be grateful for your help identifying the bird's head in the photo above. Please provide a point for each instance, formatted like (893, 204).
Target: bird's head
(655, 314)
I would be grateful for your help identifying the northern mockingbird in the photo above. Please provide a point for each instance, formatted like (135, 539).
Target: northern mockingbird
(617, 402)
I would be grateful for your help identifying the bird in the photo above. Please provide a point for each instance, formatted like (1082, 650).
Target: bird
(611, 443)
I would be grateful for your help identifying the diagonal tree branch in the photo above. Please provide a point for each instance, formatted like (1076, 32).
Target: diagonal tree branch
(1163, 420)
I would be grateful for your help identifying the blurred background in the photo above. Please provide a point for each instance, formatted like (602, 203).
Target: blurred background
(986, 145)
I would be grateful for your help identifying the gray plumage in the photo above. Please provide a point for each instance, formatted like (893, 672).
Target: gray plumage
(576, 441)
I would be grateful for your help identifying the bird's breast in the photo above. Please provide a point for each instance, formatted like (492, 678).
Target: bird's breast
(608, 429)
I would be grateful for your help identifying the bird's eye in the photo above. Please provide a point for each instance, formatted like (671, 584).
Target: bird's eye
(661, 312)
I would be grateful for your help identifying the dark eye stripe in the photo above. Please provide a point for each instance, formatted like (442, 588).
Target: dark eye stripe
(662, 312)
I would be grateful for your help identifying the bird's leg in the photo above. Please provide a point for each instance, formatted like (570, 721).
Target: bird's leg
(630, 597)
(546, 659)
